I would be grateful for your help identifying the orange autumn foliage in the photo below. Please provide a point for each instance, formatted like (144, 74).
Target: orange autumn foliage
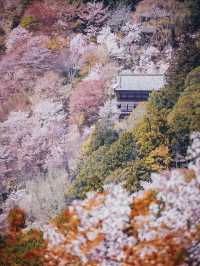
(95, 202)
(141, 205)
(21, 247)
(91, 244)
(166, 251)
(16, 219)
(67, 222)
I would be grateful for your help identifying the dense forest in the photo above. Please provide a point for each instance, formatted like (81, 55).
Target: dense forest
(79, 185)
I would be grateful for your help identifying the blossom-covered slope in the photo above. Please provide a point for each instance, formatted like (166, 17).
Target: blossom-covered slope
(78, 186)
(156, 226)
(39, 66)
(55, 56)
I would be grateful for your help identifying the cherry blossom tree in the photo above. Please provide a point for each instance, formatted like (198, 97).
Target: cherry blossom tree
(87, 18)
(86, 100)
(33, 141)
(92, 16)
(41, 13)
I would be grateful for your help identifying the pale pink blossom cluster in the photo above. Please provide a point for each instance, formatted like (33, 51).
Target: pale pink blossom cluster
(34, 140)
(86, 99)
(106, 216)
(102, 216)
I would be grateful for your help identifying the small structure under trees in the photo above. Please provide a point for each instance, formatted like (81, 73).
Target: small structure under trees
(136, 88)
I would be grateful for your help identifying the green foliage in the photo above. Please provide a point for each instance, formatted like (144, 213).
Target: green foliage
(185, 58)
(180, 104)
(153, 137)
(103, 134)
(81, 186)
(102, 162)
(179, 99)
(165, 98)
(25, 249)
(153, 131)
(172, 114)
(158, 159)
(193, 78)
(106, 159)
(131, 175)
(134, 173)
(185, 116)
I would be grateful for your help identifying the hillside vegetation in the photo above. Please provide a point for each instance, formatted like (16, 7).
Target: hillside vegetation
(79, 186)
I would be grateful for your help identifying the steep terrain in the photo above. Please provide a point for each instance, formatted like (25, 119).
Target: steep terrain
(44, 70)
(80, 187)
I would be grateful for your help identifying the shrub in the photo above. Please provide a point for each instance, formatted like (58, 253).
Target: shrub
(165, 98)
(21, 247)
(102, 162)
(159, 159)
(131, 175)
(103, 134)
(185, 116)
(193, 78)
(153, 131)
(134, 173)
(80, 187)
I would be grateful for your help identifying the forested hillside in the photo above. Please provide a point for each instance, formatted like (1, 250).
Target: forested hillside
(80, 186)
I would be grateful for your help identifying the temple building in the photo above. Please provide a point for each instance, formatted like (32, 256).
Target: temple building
(136, 88)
